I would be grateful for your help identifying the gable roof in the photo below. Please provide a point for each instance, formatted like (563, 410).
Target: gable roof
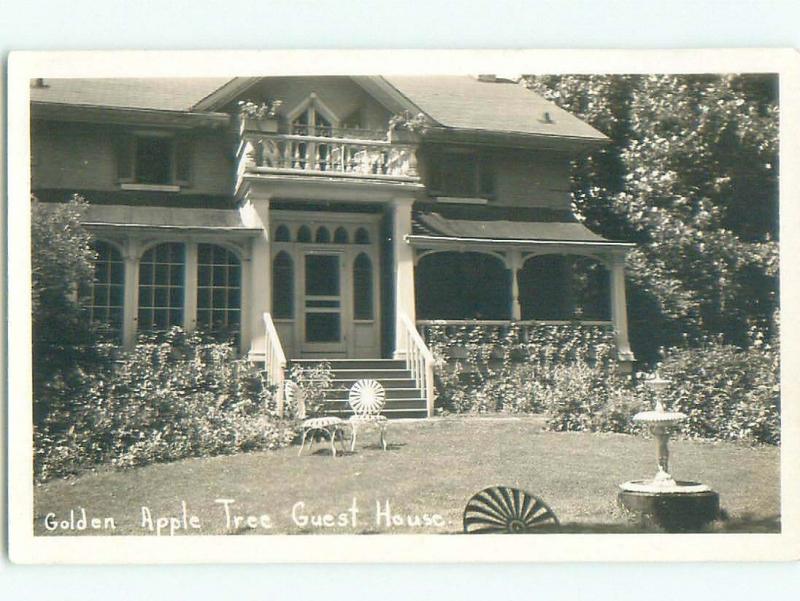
(165, 94)
(464, 102)
(457, 102)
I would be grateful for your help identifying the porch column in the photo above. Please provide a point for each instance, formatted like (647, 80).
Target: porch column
(404, 295)
(130, 307)
(254, 210)
(619, 311)
(190, 288)
(515, 263)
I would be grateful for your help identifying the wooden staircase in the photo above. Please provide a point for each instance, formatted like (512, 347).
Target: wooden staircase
(403, 398)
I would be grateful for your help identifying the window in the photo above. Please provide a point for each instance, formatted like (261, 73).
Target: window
(323, 235)
(362, 287)
(461, 174)
(304, 234)
(219, 289)
(106, 296)
(282, 234)
(340, 236)
(153, 159)
(313, 154)
(282, 286)
(161, 287)
(362, 236)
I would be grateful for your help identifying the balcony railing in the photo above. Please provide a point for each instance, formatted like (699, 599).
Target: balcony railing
(362, 154)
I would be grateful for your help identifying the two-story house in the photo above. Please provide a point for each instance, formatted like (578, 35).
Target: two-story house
(320, 223)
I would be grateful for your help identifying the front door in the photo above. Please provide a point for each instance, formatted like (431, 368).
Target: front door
(322, 322)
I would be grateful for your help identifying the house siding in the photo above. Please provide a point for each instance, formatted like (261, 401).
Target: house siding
(81, 156)
(531, 179)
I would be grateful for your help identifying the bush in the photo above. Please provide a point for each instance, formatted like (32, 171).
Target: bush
(727, 393)
(171, 397)
(484, 369)
(315, 381)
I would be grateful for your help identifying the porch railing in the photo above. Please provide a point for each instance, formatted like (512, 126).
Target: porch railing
(274, 361)
(419, 361)
(341, 157)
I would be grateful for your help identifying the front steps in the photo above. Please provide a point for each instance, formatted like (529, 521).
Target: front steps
(403, 398)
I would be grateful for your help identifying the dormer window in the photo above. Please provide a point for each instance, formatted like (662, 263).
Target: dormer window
(461, 174)
(153, 160)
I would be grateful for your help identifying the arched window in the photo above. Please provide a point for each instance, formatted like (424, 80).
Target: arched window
(282, 234)
(161, 287)
(219, 290)
(340, 236)
(362, 236)
(282, 286)
(106, 295)
(362, 287)
(469, 285)
(304, 234)
(323, 234)
(313, 154)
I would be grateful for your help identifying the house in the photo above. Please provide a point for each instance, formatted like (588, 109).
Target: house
(327, 217)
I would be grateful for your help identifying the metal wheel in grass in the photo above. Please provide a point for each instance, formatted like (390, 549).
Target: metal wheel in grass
(503, 510)
(367, 397)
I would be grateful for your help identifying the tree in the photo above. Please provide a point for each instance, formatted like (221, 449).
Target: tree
(691, 176)
(64, 342)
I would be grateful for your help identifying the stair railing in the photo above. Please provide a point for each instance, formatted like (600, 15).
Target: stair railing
(274, 361)
(419, 361)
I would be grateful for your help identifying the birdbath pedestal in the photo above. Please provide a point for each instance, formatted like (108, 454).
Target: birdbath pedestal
(675, 506)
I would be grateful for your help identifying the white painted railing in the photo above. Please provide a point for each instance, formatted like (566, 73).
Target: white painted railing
(340, 157)
(274, 361)
(419, 361)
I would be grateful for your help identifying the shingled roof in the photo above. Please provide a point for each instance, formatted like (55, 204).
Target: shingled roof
(456, 102)
(165, 94)
(465, 102)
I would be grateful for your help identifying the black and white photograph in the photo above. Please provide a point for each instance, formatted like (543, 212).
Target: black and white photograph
(507, 300)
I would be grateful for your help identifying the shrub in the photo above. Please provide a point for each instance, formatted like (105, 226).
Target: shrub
(727, 393)
(171, 397)
(315, 381)
(484, 369)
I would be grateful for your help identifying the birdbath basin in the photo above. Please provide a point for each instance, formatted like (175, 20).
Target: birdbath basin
(675, 505)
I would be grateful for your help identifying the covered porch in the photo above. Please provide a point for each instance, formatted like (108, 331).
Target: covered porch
(496, 274)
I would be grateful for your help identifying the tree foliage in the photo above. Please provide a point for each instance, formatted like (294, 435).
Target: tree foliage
(691, 176)
(64, 342)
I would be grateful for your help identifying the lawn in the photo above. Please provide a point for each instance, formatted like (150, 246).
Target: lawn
(430, 470)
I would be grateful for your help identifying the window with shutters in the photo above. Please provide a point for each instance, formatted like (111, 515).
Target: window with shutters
(153, 159)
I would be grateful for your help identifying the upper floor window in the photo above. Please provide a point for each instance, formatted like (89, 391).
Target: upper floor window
(462, 174)
(153, 159)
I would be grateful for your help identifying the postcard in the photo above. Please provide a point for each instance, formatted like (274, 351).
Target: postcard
(263, 304)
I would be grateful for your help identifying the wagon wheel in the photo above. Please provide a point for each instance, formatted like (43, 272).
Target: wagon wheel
(503, 510)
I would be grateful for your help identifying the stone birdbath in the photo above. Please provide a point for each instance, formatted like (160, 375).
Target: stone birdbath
(674, 505)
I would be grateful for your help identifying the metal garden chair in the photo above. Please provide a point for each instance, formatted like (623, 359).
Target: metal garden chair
(326, 424)
(367, 399)
(504, 510)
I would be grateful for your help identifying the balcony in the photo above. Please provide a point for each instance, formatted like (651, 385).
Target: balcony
(326, 152)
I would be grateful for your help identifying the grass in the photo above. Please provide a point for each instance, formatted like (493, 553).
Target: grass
(431, 467)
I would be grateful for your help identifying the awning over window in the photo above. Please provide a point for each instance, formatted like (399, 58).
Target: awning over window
(502, 226)
(124, 216)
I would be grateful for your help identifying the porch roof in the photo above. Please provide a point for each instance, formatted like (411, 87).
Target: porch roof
(504, 226)
(126, 216)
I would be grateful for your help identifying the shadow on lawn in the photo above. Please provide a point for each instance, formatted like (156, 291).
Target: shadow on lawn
(745, 524)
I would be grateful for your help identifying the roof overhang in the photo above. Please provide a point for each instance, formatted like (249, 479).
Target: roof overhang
(553, 246)
(478, 137)
(127, 116)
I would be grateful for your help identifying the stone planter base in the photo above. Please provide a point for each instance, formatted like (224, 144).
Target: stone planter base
(672, 511)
